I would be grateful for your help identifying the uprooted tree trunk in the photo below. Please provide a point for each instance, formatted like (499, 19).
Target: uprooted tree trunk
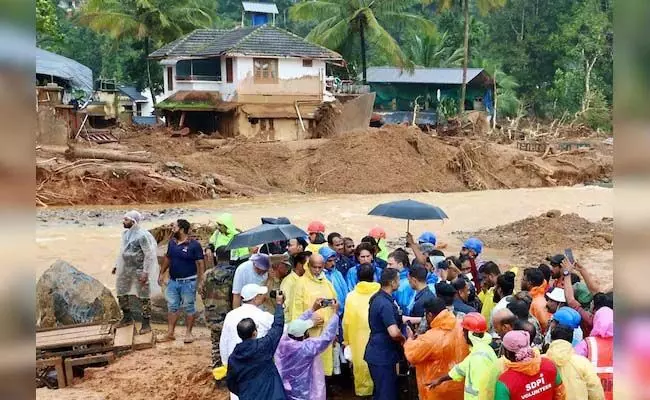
(76, 153)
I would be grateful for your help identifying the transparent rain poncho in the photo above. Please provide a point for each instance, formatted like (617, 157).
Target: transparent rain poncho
(138, 256)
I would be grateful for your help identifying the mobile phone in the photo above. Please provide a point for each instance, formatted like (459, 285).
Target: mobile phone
(569, 254)
(326, 302)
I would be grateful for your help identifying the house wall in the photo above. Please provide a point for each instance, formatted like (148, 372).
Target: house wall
(295, 82)
(284, 129)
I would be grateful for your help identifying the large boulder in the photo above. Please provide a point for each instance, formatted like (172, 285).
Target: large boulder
(67, 296)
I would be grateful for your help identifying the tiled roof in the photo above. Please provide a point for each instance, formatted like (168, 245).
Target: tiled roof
(452, 76)
(263, 40)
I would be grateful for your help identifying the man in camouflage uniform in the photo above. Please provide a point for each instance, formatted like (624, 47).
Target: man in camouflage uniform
(217, 298)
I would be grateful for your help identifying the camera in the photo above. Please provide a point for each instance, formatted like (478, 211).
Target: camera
(274, 293)
(326, 302)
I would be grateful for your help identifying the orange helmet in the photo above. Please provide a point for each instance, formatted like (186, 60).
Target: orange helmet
(377, 233)
(474, 322)
(316, 227)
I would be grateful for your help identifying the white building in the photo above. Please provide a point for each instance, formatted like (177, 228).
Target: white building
(258, 81)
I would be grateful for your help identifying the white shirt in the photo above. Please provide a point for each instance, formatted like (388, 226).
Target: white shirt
(246, 274)
(501, 305)
(229, 337)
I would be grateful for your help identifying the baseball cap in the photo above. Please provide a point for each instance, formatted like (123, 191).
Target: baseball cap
(248, 292)
(326, 252)
(298, 327)
(556, 294)
(427, 237)
(437, 259)
(260, 260)
(280, 259)
(582, 293)
(567, 316)
(556, 259)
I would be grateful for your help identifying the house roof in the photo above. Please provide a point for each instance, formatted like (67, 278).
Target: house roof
(80, 76)
(254, 6)
(132, 93)
(262, 40)
(448, 76)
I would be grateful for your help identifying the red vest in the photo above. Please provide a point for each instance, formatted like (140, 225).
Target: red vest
(540, 386)
(601, 351)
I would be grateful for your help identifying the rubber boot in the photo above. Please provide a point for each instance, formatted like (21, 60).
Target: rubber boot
(127, 319)
(146, 326)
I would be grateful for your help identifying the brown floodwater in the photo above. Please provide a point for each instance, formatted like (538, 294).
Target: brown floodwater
(93, 248)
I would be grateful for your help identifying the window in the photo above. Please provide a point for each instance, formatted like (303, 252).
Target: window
(229, 70)
(266, 70)
(170, 81)
(207, 69)
(307, 63)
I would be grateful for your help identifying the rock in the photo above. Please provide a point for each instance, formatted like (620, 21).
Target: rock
(100, 224)
(553, 213)
(608, 237)
(67, 296)
(173, 165)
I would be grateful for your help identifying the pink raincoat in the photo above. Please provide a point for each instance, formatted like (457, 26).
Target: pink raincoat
(298, 363)
(603, 327)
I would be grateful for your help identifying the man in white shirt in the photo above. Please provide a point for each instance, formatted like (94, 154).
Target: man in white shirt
(255, 270)
(252, 296)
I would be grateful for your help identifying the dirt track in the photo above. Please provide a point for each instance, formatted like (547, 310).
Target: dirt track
(387, 160)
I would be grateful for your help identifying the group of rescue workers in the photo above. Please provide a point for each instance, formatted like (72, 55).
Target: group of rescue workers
(287, 317)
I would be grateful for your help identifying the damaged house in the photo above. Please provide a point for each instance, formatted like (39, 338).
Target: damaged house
(259, 81)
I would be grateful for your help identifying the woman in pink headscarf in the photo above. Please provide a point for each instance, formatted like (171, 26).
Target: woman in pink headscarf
(527, 375)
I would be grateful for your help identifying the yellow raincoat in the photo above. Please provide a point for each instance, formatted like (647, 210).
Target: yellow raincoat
(306, 290)
(222, 239)
(356, 332)
(288, 286)
(578, 374)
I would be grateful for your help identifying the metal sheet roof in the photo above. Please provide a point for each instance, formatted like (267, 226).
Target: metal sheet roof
(449, 76)
(80, 76)
(266, 8)
(133, 93)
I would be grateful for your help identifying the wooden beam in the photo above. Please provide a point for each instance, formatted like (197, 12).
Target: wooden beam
(83, 361)
(57, 363)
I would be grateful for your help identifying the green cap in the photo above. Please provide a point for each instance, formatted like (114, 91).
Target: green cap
(582, 293)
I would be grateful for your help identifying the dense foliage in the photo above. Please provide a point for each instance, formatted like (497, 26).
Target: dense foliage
(552, 58)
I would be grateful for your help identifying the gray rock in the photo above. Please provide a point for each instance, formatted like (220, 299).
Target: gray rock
(173, 165)
(67, 296)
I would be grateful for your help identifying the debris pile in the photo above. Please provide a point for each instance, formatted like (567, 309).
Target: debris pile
(535, 238)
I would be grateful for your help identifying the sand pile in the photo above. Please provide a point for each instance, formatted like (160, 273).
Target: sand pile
(534, 238)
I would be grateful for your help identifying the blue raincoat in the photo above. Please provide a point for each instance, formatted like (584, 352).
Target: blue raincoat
(340, 286)
(352, 278)
(405, 294)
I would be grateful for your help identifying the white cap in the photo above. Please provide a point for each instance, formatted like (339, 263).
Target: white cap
(557, 295)
(248, 292)
(298, 327)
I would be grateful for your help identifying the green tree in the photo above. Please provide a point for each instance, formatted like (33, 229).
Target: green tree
(434, 51)
(343, 20)
(152, 22)
(483, 6)
(48, 29)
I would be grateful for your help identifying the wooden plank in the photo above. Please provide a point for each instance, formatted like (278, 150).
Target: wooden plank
(63, 334)
(85, 324)
(88, 360)
(73, 328)
(76, 342)
(57, 363)
(145, 341)
(124, 337)
(68, 338)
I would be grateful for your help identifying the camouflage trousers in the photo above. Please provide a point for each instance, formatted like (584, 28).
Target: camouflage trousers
(215, 336)
(123, 301)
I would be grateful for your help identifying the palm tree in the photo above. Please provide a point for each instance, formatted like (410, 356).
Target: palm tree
(434, 51)
(343, 20)
(484, 6)
(152, 21)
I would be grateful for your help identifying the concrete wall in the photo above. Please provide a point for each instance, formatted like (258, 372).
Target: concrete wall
(295, 82)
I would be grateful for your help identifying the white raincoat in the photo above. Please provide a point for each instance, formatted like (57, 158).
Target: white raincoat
(138, 255)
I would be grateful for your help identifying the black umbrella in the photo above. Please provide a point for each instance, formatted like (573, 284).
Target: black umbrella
(408, 210)
(265, 233)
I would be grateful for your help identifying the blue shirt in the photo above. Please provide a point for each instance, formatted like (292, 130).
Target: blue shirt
(344, 263)
(432, 279)
(405, 293)
(340, 286)
(421, 297)
(183, 258)
(352, 279)
(381, 264)
(383, 312)
(461, 307)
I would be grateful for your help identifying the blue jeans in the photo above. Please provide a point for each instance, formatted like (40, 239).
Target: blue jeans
(181, 294)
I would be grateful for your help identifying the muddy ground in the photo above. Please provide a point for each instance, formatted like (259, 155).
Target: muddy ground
(391, 159)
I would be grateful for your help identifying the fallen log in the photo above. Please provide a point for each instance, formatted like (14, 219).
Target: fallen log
(76, 153)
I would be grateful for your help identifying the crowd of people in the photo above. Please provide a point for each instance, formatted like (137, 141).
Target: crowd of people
(289, 318)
